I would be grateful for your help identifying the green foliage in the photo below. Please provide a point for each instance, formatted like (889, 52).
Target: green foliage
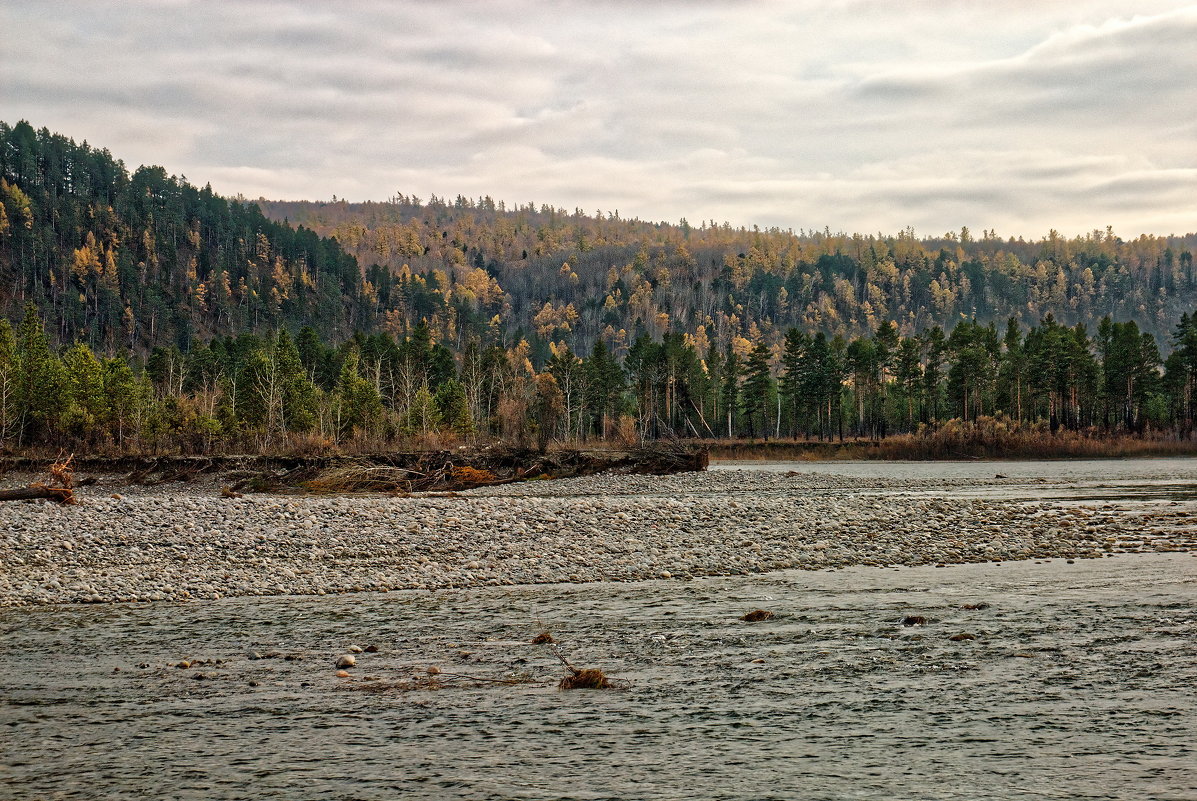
(452, 408)
(357, 406)
(41, 383)
(423, 416)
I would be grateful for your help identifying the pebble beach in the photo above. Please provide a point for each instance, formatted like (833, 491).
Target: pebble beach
(178, 542)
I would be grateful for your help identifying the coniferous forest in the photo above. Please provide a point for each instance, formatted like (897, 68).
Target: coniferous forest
(141, 314)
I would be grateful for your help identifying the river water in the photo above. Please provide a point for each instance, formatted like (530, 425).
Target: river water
(1080, 682)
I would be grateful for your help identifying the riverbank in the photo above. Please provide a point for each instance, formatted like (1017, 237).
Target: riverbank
(951, 443)
(185, 542)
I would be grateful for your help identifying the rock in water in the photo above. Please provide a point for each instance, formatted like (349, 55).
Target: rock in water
(346, 661)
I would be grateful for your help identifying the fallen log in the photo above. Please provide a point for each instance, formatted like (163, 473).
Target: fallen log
(35, 492)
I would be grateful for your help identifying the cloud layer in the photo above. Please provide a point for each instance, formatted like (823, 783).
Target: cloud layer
(858, 114)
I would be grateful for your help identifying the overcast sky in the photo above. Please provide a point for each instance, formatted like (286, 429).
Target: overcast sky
(858, 115)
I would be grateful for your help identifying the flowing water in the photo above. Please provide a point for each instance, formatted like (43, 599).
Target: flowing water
(1080, 682)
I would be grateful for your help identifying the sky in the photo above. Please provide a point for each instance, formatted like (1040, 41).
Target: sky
(858, 115)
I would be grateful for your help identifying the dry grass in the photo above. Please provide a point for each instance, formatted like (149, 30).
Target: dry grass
(470, 476)
(985, 438)
(363, 478)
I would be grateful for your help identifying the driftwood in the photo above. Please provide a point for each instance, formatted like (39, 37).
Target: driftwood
(449, 471)
(36, 491)
(58, 486)
(393, 472)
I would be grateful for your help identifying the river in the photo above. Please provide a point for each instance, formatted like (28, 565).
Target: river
(1078, 682)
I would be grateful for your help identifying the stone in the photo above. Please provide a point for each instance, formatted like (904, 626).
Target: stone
(342, 674)
(355, 649)
(346, 661)
(962, 637)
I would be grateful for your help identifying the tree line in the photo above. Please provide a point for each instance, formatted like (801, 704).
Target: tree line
(290, 392)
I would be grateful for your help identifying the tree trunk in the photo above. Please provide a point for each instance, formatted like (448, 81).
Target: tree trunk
(60, 494)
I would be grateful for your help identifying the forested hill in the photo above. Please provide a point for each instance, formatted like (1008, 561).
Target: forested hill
(130, 261)
(126, 261)
(554, 276)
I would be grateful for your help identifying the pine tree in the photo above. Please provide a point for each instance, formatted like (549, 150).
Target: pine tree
(87, 404)
(908, 373)
(40, 381)
(605, 384)
(729, 394)
(757, 393)
(790, 385)
(298, 392)
(452, 408)
(357, 405)
(423, 417)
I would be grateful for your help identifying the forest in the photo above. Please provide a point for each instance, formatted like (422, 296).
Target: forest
(371, 391)
(141, 314)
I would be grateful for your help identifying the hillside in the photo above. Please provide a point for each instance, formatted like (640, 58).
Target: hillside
(128, 261)
(133, 260)
(554, 276)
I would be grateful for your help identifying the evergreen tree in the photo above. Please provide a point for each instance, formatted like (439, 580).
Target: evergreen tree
(423, 416)
(908, 374)
(40, 381)
(452, 408)
(793, 363)
(357, 405)
(729, 394)
(758, 392)
(87, 404)
(298, 393)
(605, 384)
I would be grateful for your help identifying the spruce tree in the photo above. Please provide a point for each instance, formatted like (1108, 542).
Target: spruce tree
(298, 391)
(757, 394)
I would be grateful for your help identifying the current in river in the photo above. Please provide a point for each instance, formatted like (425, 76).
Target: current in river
(1021, 680)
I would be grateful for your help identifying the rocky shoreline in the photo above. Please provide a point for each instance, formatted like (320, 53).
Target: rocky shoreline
(185, 542)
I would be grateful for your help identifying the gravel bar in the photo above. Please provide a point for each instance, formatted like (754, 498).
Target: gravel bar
(186, 542)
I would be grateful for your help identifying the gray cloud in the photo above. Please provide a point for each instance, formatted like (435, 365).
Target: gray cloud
(857, 114)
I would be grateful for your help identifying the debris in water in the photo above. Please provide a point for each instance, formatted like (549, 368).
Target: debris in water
(586, 679)
(581, 678)
(757, 615)
(544, 638)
